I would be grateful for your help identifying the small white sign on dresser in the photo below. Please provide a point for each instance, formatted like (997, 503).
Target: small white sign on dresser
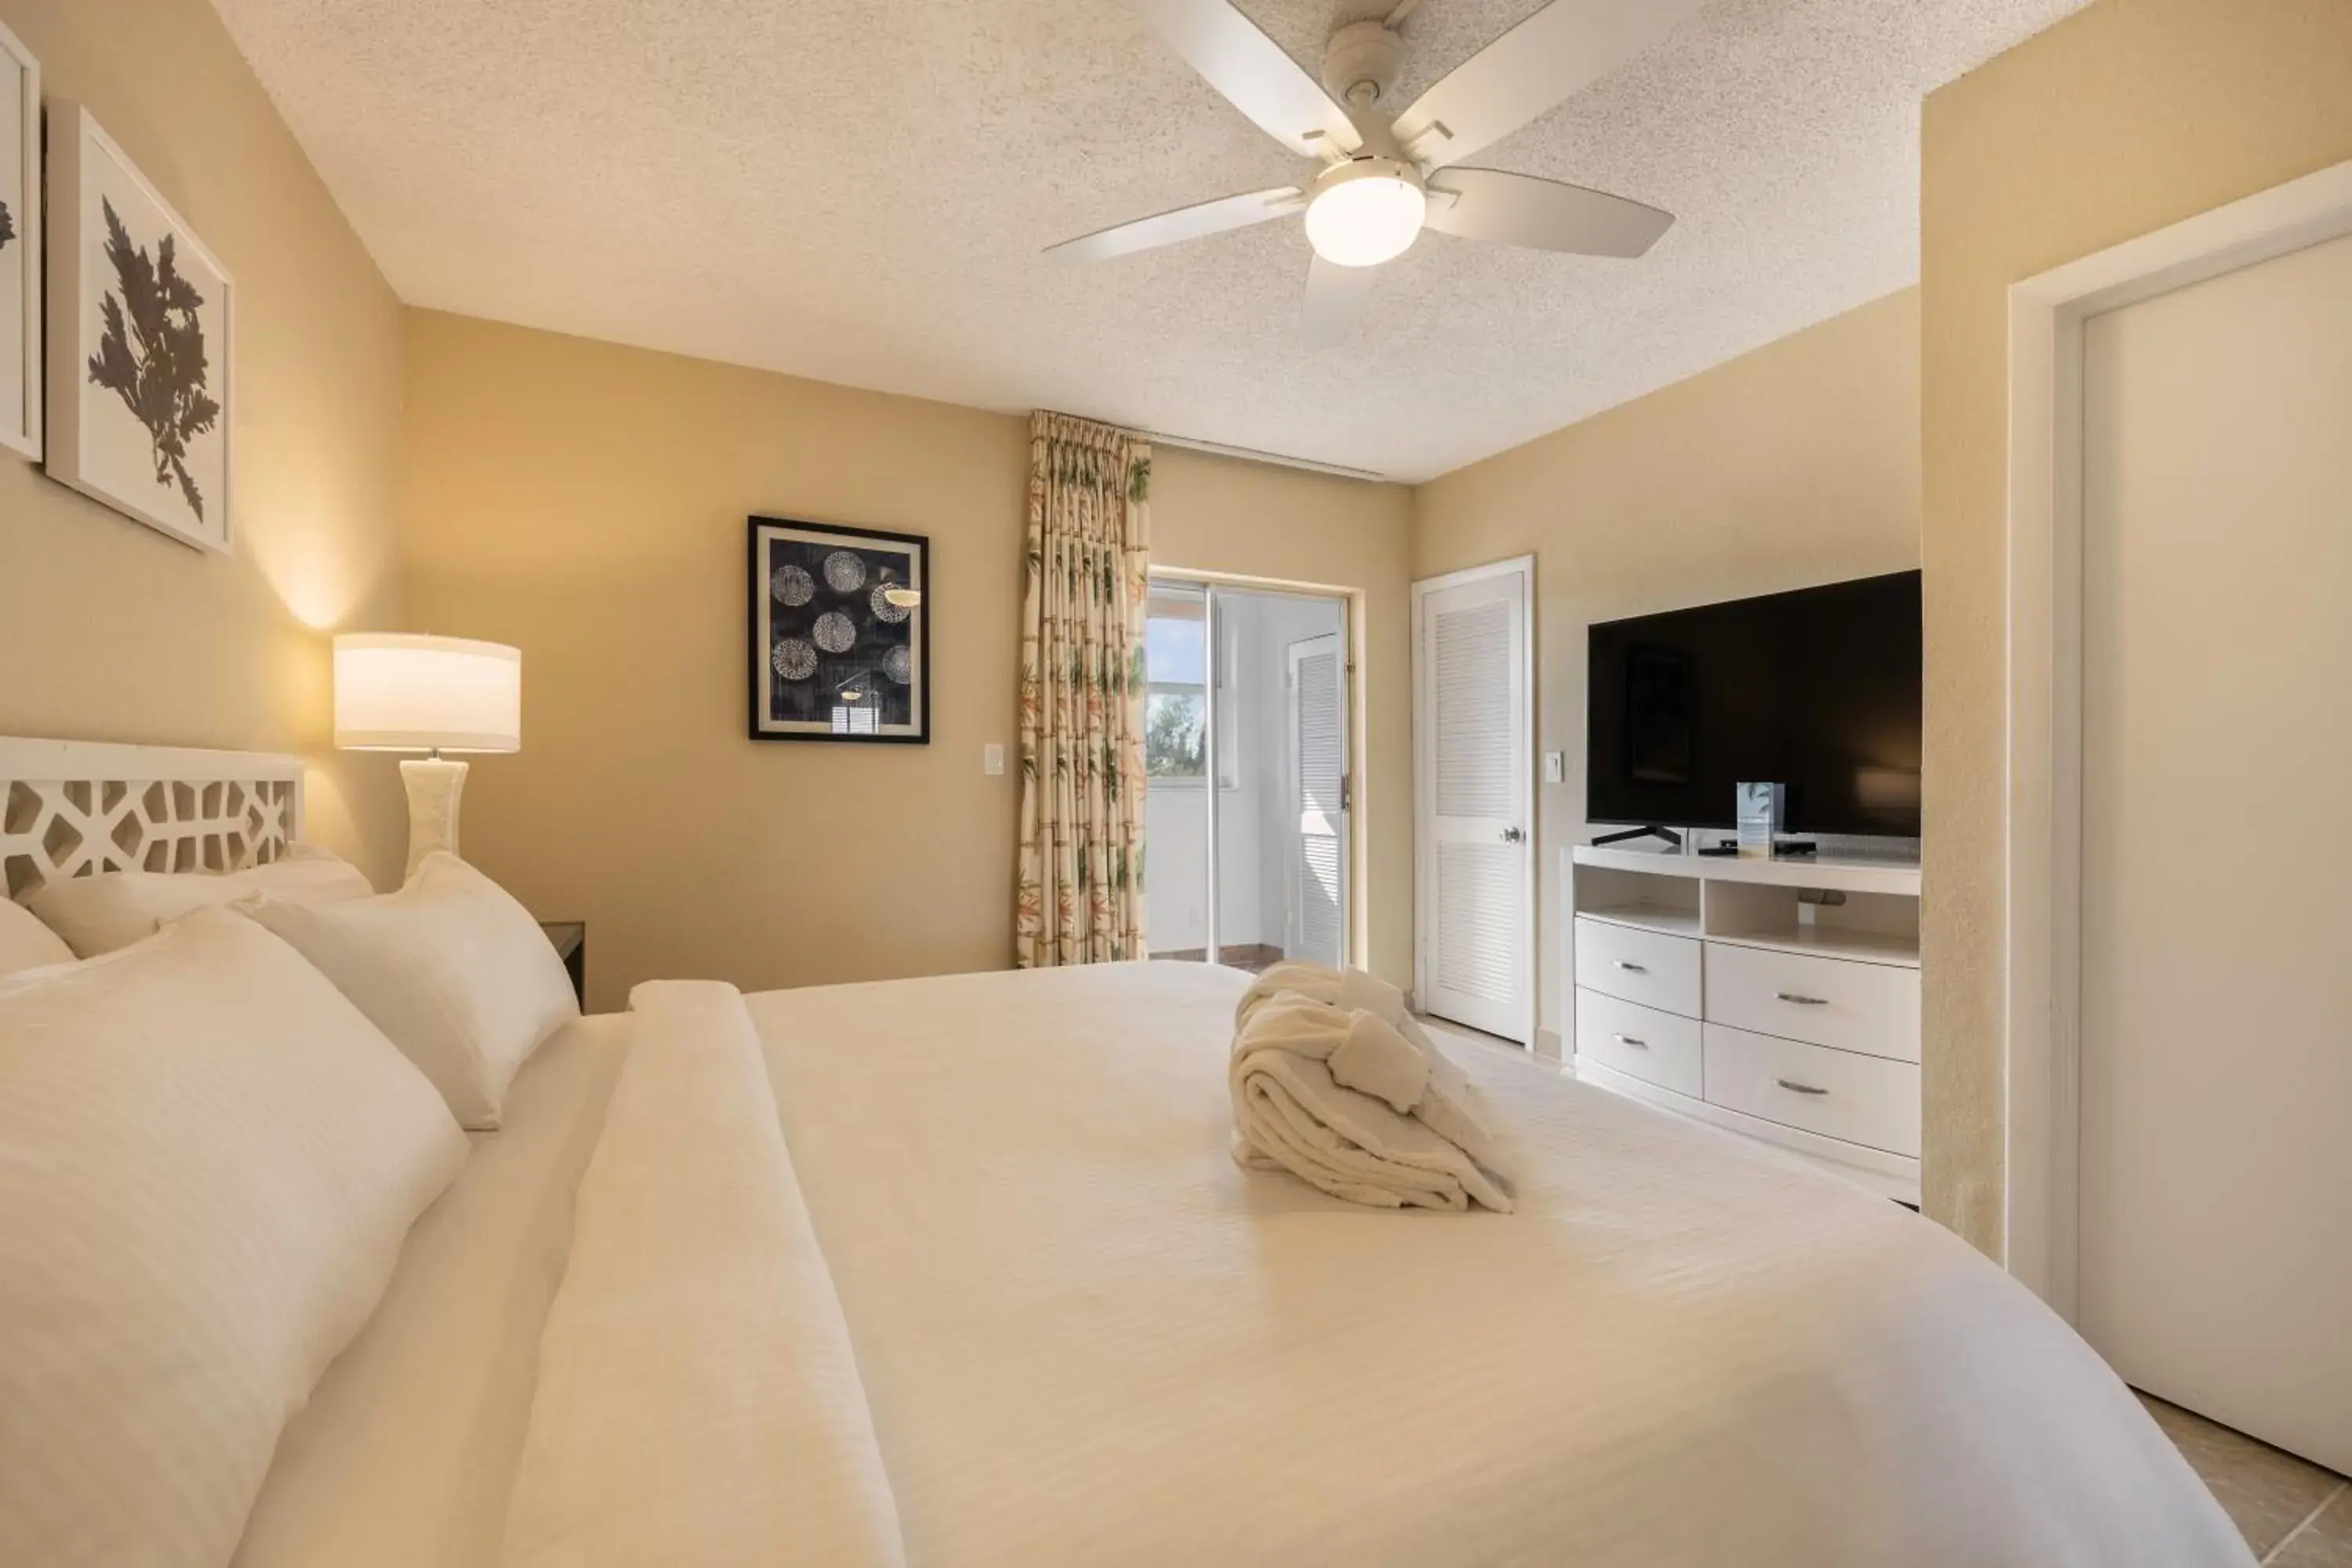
(1759, 816)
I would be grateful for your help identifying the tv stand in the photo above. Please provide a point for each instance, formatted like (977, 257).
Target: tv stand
(1668, 834)
(1731, 992)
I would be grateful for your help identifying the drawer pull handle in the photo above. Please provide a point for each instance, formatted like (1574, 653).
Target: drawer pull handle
(1630, 1040)
(1629, 967)
(1802, 1001)
(1795, 1088)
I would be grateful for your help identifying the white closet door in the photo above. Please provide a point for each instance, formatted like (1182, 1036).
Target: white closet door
(1474, 838)
(2215, 1227)
(1316, 684)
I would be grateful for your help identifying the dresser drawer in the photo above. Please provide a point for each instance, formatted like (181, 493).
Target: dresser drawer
(1862, 1099)
(1645, 966)
(1868, 1008)
(1641, 1042)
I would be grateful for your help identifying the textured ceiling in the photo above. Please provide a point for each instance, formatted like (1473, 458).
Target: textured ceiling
(857, 190)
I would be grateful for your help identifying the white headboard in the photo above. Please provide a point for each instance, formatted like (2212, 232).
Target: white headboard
(71, 809)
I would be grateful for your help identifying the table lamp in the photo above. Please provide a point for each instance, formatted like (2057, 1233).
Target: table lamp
(405, 692)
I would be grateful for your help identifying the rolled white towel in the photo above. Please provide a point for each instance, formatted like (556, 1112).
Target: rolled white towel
(1454, 1110)
(1343, 1101)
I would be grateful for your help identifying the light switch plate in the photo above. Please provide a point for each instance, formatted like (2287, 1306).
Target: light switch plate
(991, 759)
(1555, 767)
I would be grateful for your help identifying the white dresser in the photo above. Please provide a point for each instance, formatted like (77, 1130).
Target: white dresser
(1778, 998)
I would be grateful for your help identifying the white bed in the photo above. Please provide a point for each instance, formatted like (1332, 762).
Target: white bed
(1088, 1337)
(1084, 1335)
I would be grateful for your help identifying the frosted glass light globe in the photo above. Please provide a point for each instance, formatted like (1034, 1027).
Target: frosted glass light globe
(1365, 214)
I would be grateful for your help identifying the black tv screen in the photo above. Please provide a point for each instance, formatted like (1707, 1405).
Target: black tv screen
(1818, 690)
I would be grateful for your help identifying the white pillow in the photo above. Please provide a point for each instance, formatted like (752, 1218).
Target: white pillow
(208, 1162)
(26, 942)
(450, 967)
(114, 908)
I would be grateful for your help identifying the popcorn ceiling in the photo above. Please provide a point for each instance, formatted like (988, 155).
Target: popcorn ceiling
(857, 190)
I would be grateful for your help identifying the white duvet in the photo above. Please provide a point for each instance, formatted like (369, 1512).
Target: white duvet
(1089, 1338)
(1084, 1336)
(698, 1401)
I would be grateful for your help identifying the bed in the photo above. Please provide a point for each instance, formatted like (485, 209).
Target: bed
(1038, 1316)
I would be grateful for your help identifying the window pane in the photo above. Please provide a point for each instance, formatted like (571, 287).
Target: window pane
(1174, 746)
(1173, 650)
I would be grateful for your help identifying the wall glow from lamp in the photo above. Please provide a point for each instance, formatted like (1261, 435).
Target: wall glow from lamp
(402, 692)
(1366, 212)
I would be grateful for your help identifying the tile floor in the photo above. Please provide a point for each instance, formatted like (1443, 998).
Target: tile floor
(2291, 1512)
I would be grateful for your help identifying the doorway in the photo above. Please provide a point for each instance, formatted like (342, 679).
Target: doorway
(2214, 1266)
(2178, 573)
(1247, 825)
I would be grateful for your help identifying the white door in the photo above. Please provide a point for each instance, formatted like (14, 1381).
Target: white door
(1315, 677)
(2214, 1251)
(1473, 796)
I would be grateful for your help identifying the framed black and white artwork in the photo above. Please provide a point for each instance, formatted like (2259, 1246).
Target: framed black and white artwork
(141, 389)
(20, 248)
(840, 633)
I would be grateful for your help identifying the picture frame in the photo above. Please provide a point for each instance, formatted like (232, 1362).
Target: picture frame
(141, 330)
(21, 204)
(839, 633)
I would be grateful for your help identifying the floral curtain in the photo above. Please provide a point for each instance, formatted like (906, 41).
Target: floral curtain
(1080, 896)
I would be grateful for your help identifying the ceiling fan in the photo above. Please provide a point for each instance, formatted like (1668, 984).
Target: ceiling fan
(1387, 174)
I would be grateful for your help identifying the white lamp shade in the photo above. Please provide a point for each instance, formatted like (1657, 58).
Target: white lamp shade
(401, 692)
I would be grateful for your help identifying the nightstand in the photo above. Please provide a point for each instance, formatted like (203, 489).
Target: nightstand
(570, 938)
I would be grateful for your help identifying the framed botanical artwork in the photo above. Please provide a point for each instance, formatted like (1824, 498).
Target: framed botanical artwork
(20, 248)
(840, 633)
(141, 384)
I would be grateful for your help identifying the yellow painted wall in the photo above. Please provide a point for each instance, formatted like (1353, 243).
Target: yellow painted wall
(2129, 116)
(111, 631)
(587, 503)
(1794, 465)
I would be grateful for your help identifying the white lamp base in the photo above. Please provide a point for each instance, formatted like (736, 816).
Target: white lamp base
(434, 784)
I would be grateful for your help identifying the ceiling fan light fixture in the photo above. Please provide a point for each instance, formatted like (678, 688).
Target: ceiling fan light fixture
(1366, 212)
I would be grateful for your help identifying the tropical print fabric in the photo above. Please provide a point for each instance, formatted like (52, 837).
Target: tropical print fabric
(1080, 896)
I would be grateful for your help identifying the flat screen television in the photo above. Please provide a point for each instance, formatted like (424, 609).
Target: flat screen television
(1817, 689)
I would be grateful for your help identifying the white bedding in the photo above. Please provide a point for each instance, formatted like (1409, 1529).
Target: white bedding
(406, 1452)
(1087, 1337)
(699, 1405)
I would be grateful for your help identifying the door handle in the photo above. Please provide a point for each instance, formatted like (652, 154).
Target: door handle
(1630, 1040)
(1512, 836)
(1795, 1087)
(1801, 1001)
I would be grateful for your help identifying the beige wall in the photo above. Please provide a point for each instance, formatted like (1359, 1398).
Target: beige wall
(1794, 465)
(111, 631)
(587, 503)
(2130, 116)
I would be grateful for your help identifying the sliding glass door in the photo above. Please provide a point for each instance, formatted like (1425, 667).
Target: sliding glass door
(1247, 748)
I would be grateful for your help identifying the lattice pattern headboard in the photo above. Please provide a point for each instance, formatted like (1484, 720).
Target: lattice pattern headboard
(71, 809)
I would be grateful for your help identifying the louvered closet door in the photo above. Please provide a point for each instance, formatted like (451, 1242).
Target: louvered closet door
(1316, 685)
(1475, 827)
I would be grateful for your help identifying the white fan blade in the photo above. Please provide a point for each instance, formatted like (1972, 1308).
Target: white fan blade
(1558, 51)
(1255, 74)
(1184, 223)
(1543, 215)
(1335, 301)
